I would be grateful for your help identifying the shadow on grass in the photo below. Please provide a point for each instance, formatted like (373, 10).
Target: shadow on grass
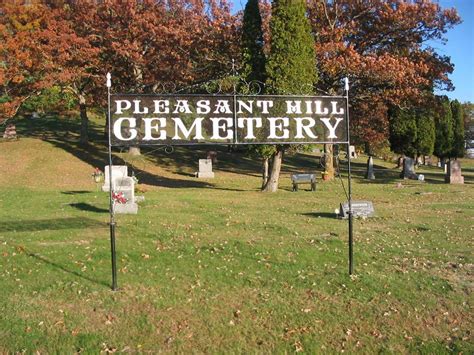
(321, 215)
(61, 267)
(75, 192)
(50, 224)
(88, 207)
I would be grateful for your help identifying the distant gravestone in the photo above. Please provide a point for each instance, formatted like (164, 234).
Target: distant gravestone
(453, 175)
(205, 169)
(118, 172)
(10, 132)
(124, 196)
(352, 152)
(370, 169)
(359, 209)
(408, 171)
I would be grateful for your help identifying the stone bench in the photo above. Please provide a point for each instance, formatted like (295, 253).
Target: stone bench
(297, 179)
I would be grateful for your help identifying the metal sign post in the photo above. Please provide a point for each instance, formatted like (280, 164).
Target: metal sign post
(111, 200)
(349, 197)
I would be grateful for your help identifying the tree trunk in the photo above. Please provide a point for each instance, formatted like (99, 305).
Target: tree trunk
(84, 139)
(329, 161)
(274, 178)
(264, 172)
(106, 127)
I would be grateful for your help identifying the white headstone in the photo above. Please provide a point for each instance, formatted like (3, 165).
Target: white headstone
(118, 171)
(352, 152)
(205, 169)
(370, 169)
(126, 187)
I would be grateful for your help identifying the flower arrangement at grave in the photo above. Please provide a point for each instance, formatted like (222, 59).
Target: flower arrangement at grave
(118, 197)
(98, 175)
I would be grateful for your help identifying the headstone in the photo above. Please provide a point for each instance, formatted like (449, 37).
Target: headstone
(359, 209)
(124, 196)
(370, 169)
(10, 132)
(352, 152)
(453, 175)
(408, 171)
(35, 115)
(205, 169)
(212, 154)
(118, 171)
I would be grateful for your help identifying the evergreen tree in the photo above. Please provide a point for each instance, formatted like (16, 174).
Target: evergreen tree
(403, 131)
(253, 69)
(444, 129)
(291, 65)
(458, 130)
(425, 131)
(253, 57)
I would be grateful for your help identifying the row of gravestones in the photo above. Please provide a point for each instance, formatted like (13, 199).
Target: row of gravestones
(125, 201)
(453, 171)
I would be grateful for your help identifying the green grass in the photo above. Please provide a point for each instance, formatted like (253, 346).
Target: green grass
(216, 266)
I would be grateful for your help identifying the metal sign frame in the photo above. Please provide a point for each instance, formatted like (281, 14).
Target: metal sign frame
(111, 144)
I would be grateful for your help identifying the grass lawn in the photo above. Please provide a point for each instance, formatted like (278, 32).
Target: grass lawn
(217, 266)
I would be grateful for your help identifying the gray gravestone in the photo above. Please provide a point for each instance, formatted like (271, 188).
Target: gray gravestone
(370, 169)
(205, 169)
(408, 171)
(125, 186)
(118, 172)
(453, 175)
(359, 209)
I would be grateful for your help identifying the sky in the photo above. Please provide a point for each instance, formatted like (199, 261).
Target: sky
(460, 47)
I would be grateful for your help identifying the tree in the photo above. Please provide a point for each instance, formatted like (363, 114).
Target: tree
(383, 47)
(23, 68)
(70, 45)
(253, 57)
(253, 70)
(152, 46)
(291, 66)
(425, 128)
(403, 131)
(444, 129)
(458, 130)
(468, 114)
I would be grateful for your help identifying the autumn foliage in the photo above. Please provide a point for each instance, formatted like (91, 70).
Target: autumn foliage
(381, 45)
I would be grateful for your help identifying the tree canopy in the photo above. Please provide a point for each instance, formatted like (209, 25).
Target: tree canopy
(381, 45)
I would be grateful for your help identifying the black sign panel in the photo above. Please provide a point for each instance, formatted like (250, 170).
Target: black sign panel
(226, 119)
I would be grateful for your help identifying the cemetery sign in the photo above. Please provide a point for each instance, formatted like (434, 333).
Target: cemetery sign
(139, 119)
(227, 119)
